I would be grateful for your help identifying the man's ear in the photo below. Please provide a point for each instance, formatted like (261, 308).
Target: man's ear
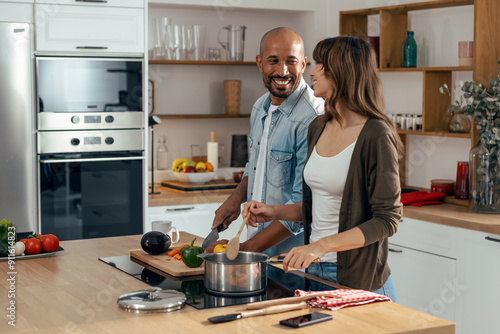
(304, 64)
(258, 60)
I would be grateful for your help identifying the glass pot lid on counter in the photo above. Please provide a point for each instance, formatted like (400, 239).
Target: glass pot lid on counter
(152, 300)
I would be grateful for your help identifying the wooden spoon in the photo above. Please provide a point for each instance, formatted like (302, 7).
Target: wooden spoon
(233, 246)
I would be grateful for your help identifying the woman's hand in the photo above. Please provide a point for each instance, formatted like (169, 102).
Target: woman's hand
(301, 257)
(259, 213)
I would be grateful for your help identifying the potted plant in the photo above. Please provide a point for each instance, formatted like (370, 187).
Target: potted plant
(483, 105)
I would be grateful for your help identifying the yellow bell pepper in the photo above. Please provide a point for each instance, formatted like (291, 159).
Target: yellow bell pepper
(220, 248)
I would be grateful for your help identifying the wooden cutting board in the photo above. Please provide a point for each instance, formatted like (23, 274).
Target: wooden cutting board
(173, 267)
(211, 185)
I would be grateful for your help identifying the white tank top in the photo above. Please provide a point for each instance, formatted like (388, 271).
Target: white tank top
(326, 177)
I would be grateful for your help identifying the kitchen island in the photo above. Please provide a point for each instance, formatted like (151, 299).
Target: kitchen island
(74, 292)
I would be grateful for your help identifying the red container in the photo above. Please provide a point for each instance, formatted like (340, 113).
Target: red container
(443, 186)
(462, 184)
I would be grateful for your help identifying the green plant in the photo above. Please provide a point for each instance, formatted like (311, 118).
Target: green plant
(483, 104)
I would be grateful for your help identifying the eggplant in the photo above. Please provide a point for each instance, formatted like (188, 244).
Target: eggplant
(155, 242)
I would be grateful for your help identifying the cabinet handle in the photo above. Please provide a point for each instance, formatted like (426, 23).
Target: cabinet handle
(100, 1)
(92, 47)
(182, 209)
(395, 250)
(492, 239)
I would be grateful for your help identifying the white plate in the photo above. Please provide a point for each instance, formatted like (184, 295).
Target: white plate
(194, 177)
(32, 256)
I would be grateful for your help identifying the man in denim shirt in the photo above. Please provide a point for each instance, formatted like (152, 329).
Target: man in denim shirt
(277, 143)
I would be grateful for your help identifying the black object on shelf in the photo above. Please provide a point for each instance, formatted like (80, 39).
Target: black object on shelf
(152, 121)
(239, 151)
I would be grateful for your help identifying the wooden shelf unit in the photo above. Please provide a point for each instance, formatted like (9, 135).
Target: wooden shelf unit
(204, 62)
(197, 116)
(393, 28)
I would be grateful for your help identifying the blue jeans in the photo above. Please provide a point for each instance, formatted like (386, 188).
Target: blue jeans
(328, 271)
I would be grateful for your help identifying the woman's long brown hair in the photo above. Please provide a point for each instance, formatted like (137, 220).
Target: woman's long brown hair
(350, 65)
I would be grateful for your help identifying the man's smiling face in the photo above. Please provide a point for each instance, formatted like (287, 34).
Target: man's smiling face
(282, 64)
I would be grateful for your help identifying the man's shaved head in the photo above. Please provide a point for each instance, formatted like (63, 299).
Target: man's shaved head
(281, 32)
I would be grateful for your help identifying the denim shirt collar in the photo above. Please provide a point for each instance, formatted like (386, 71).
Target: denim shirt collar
(287, 106)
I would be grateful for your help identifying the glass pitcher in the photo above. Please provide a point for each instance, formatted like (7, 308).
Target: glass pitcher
(235, 42)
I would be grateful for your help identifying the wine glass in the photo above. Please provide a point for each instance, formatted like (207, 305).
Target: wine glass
(173, 40)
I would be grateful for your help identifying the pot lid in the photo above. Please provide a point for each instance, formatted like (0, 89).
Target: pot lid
(152, 300)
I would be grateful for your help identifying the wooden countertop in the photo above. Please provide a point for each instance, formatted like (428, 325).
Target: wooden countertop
(446, 213)
(169, 196)
(74, 292)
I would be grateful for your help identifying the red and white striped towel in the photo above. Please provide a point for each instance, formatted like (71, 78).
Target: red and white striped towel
(349, 298)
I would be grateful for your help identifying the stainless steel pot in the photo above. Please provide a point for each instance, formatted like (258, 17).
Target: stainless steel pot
(245, 275)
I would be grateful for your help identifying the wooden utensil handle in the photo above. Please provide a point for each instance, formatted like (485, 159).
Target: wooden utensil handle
(275, 309)
(266, 303)
(245, 221)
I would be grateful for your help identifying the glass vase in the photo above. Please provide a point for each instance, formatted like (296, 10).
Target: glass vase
(459, 122)
(409, 51)
(485, 176)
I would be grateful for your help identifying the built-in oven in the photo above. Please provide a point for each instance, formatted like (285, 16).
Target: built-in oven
(91, 183)
(89, 93)
(90, 146)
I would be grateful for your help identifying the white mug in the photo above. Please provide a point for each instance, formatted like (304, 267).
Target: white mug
(165, 226)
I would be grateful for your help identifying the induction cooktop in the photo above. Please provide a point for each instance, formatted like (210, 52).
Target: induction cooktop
(279, 284)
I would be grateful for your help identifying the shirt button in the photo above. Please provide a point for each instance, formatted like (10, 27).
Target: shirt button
(272, 122)
(255, 168)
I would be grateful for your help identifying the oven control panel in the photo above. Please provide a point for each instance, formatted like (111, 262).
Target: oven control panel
(48, 121)
(90, 141)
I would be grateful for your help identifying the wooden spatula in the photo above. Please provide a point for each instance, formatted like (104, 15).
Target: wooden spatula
(233, 246)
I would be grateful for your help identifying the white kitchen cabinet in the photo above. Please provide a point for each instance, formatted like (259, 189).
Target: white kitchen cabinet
(422, 258)
(196, 219)
(16, 12)
(101, 3)
(89, 29)
(478, 293)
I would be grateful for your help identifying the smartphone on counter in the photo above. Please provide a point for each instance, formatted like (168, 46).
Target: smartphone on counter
(306, 319)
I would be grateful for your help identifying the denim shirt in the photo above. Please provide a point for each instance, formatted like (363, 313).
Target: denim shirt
(285, 156)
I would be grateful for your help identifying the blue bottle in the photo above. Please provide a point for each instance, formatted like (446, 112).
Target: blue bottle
(409, 51)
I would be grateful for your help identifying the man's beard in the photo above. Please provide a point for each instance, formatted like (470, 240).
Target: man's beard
(277, 92)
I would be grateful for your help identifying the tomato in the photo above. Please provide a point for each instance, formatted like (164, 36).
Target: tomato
(49, 242)
(33, 246)
(24, 241)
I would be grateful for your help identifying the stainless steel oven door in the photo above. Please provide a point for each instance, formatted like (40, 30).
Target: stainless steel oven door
(76, 93)
(91, 195)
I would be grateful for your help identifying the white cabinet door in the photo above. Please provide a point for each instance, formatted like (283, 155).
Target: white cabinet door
(196, 219)
(422, 258)
(102, 3)
(479, 294)
(86, 29)
(424, 281)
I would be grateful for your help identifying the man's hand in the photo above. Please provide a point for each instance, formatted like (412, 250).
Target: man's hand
(226, 214)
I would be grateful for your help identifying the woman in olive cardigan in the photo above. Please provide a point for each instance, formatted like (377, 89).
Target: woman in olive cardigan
(351, 198)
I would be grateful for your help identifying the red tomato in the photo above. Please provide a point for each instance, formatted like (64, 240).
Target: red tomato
(49, 242)
(33, 246)
(24, 241)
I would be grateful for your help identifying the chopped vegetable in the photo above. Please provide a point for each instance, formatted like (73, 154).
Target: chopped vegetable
(176, 250)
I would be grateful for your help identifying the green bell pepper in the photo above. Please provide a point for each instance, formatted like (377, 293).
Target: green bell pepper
(188, 255)
(6, 227)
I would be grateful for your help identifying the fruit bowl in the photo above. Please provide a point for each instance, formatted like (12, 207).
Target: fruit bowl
(194, 177)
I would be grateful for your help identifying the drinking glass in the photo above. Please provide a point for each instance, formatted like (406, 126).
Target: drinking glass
(199, 41)
(159, 32)
(173, 34)
(189, 41)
